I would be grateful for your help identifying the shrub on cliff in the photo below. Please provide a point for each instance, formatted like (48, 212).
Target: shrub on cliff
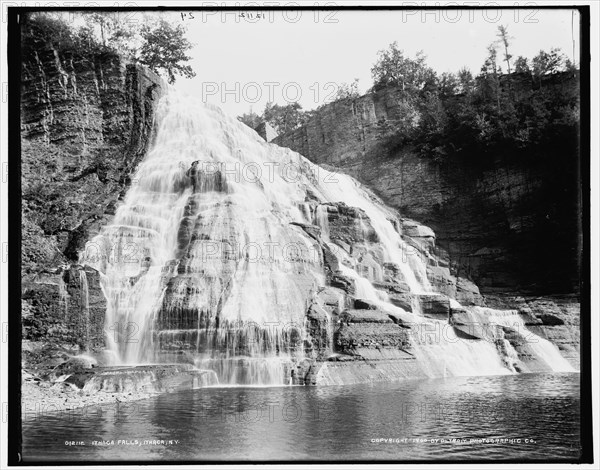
(164, 48)
(347, 91)
(284, 118)
(157, 44)
(461, 116)
(251, 119)
(41, 31)
(394, 68)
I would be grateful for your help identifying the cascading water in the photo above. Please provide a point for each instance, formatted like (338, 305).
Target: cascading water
(211, 267)
(63, 296)
(85, 305)
(364, 289)
(542, 348)
(210, 259)
(322, 221)
(396, 250)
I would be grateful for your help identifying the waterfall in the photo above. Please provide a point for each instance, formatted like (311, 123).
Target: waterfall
(440, 353)
(543, 349)
(63, 296)
(85, 306)
(509, 354)
(209, 257)
(339, 187)
(322, 221)
(209, 265)
(364, 289)
(307, 211)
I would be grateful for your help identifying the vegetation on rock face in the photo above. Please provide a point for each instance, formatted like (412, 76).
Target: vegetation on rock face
(393, 68)
(251, 119)
(347, 91)
(489, 159)
(283, 118)
(86, 117)
(157, 44)
(288, 117)
(462, 115)
(164, 48)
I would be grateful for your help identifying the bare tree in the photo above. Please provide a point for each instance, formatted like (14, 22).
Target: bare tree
(504, 38)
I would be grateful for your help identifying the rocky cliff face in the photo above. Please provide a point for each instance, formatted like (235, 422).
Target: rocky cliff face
(86, 122)
(507, 225)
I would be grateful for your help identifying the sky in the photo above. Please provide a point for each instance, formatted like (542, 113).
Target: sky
(286, 56)
(303, 56)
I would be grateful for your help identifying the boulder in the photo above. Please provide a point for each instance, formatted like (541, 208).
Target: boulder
(401, 319)
(318, 329)
(344, 283)
(413, 229)
(423, 236)
(392, 287)
(467, 293)
(391, 272)
(361, 304)
(441, 280)
(330, 258)
(349, 338)
(548, 319)
(434, 306)
(365, 316)
(471, 325)
(331, 297)
(404, 301)
(459, 288)
(312, 230)
(349, 225)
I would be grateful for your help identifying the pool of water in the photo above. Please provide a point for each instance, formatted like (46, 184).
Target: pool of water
(533, 416)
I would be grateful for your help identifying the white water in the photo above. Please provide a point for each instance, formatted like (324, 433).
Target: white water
(247, 269)
(436, 348)
(85, 298)
(543, 349)
(445, 355)
(364, 289)
(63, 296)
(510, 355)
(235, 293)
(322, 221)
(341, 187)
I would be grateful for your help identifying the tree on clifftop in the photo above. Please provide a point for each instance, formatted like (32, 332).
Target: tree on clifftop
(157, 44)
(504, 39)
(164, 47)
(522, 65)
(251, 119)
(547, 62)
(347, 91)
(283, 118)
(393, 68)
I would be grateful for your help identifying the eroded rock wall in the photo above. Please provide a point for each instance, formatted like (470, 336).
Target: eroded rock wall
(86, 123)
(507, 225)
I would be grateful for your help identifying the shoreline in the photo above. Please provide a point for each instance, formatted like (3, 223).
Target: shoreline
(43, 399)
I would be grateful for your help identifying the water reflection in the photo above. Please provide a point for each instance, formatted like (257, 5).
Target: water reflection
(330, 423)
